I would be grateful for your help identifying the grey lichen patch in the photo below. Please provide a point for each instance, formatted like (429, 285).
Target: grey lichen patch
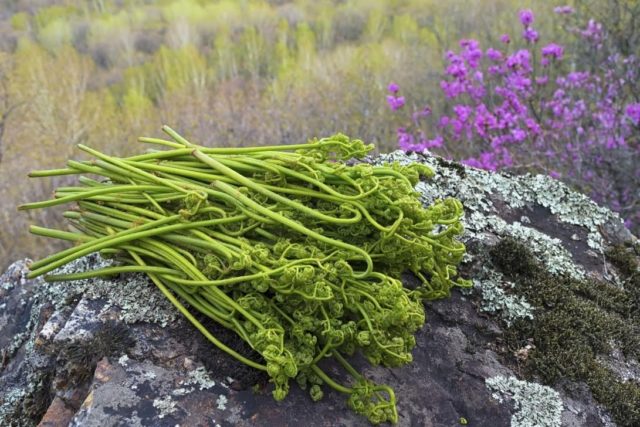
(569, 206)
(535, 405)
(165, 405)
(134, 294)
(123, 360)
(493, 288)
(548, 250)
(8, 285)
(11, 400)
(16, 343)
(221, 402)
(199, 378)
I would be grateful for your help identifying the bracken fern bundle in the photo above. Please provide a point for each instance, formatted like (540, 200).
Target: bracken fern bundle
(293, 249)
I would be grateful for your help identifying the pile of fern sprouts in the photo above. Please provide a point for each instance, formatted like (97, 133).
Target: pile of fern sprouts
(293, 248)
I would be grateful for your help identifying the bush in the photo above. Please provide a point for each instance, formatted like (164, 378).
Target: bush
(524, 107)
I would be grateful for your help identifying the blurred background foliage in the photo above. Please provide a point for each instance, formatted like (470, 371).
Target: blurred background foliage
(224, 73)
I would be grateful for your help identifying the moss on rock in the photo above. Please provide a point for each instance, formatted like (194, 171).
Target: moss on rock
(576, 321)
(625, 259)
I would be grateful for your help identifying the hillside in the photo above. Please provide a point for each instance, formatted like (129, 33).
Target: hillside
(225, 73)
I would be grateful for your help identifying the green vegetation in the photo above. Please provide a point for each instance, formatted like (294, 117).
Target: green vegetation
(256, 72)
(297, 252)
(576, 323)
(225, 72)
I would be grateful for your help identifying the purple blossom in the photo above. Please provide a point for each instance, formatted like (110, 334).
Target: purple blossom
(452, 89)
(485, 161)
(493, 54)
(593, 30)
(518, 83)
(469, 43)
(577, 78)
(494, 69)
(425, 112)
(393, 88)
(505, 39)
(462, 111)
(505, 112)
(526, 17)
(533, 126)
(407, 142)
(530, 35)
(542, 80)
(485, 121)
(563, 10)
(633, 112)
(553, 50)
(436, 142)
(457, 67)
(518, 134)
(456, 126)
(506, 160)
(471, 52)
(405, 139)
(520, 60)
(395, 102)
(611, 142)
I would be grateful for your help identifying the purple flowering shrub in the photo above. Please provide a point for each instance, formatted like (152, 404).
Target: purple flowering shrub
(523, 107)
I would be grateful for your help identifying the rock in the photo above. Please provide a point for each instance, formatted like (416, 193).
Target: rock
(58, 414)
(115, 352)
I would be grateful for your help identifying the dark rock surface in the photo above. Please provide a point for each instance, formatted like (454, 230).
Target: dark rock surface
(81, 355)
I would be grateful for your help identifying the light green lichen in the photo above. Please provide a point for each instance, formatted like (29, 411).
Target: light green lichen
(221, 402)
(535, 405)
(134, 294)
(495, 299)
(200, 379)
(123, 360)
(196, 379)
(165, 405)
(549, 251)
(10, 400)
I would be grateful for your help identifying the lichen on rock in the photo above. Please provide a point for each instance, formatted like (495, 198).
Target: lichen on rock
(496, 300)
(535, 405)
(136, 297)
